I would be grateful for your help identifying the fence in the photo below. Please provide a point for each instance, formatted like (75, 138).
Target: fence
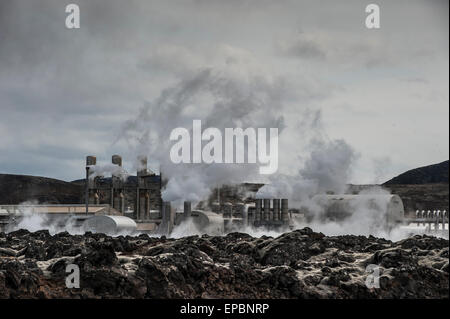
(435, 220)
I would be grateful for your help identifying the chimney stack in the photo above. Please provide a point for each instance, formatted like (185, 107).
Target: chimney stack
(276, 209)
(284, 211)
(91, 160)
(142, 165)
(117, 160)
(258, 205)
(187, 209)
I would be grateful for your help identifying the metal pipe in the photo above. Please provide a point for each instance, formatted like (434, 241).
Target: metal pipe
(266, 209)
(138, 204)
(90, 160)
(143, 202)
(166, 211)
(187, 209)
(436, 220)
(122, 203)
(244, 214)
(423, 217)
(165, 221)
(147, 205)
(168, 216)
(112, 194)
(258, 205)
(443, 219)
(284, 210)
(276, 209)
(87, 190)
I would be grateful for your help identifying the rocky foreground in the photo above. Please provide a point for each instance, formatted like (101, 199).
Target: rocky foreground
(299, 264)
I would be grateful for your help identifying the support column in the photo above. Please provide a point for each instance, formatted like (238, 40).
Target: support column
(147, 205)
(122, 202)
(138, 204)
(112, 195)
(90, 160)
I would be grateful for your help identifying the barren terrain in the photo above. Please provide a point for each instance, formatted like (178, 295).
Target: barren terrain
(298, 264)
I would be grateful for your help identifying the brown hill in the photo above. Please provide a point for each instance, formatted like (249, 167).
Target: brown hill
(16, 189)
(436, 173)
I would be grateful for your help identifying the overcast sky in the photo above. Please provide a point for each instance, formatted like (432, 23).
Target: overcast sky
(65, 94)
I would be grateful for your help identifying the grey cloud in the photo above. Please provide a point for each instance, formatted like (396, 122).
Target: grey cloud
(73, 89)
(302, 47)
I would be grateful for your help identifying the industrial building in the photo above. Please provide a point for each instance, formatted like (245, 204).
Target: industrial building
(52, 215)
(137, 197)
(133, 204)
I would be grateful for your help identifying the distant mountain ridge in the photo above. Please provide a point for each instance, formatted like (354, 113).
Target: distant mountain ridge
(16, 189)
(431, 174)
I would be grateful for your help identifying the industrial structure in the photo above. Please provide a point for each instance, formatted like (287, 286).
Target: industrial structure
(341, 206)
(122, 204)
(137, 197)
(55, 215)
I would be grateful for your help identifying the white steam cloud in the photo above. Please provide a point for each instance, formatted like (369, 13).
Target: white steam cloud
(239, 95)
(108, 170)
(26, 217)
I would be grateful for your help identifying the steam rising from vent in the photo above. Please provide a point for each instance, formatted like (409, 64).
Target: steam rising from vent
(238, 95)
(366, 214)
(327, 169)
(33, 221)
(108, 170)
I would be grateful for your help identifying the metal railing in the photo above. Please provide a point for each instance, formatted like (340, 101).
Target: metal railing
(435, 220)
(43, 208)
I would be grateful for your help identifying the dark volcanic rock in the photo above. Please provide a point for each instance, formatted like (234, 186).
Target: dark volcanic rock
(298, 264)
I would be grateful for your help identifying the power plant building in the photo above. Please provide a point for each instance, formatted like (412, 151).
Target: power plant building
(137, 197)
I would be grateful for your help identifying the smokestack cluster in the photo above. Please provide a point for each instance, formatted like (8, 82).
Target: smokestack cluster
(143, 195)
(266, 214)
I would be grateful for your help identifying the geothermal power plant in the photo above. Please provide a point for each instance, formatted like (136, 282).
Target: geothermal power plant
(133, 204)
(139, 201)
